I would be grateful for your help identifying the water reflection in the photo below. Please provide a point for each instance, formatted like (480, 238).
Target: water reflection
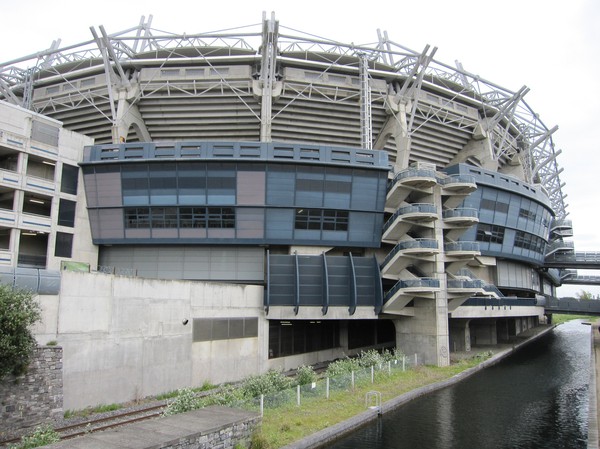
(537, 398)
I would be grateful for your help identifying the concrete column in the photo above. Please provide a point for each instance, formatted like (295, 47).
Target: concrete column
(460, 335)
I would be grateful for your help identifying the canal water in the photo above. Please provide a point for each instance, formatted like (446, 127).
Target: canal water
(536, 398)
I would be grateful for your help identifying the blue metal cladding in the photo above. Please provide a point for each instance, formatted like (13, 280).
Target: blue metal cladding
(298, 281)
(234, 193)
(514, 217)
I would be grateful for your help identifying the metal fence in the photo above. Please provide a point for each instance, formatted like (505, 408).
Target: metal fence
(324, 387)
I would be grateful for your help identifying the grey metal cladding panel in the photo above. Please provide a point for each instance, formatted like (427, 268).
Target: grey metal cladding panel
(45, 133)
(250, 223)
(365, 190)
(236, 328)
(201, 330)
(27, 279)
(361, 227)
(110, 224)
(49, 282)
(281, 183)
(251, 188)
(91, 189)
(220, 329)
(7, 275)
(250, 327)
(109, 189)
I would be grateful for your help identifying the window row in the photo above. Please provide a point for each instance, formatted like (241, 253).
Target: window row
(529, 241)
(179, 217)
(490, 233)
(321, 219)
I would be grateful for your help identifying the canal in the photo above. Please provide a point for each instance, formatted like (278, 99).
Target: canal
(536, 398)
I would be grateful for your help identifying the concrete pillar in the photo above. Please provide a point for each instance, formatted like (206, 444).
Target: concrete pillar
(425, 333)
(460, 335)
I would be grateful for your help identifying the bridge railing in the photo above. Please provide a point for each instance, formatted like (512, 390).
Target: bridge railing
(574, 305)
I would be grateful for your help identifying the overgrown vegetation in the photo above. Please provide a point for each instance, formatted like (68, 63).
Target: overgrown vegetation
(559, 318)
(18, 312)
(41, 436)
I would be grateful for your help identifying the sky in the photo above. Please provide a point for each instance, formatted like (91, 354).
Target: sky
(551, 46)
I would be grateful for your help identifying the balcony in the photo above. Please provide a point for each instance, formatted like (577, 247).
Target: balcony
(466, 285)
(406, 290)
(462, 249)
(407, 181)
(558, 247)
(461, 217)
(458, 184)
(562, 228)
(415, 214)
(404, 254)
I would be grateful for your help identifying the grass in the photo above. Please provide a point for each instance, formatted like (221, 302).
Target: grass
(284, 425)
(558, 318)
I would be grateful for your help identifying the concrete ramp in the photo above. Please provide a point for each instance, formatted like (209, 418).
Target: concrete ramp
(203, 429)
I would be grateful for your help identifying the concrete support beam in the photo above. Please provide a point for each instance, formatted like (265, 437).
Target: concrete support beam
(460, 335)
(396, 125)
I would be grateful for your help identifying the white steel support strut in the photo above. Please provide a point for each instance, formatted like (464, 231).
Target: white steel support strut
(366, 120)
(267, 75)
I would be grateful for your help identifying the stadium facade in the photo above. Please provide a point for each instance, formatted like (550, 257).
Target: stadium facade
(261, 198)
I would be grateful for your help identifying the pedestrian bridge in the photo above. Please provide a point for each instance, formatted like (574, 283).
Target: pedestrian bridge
(573, 306)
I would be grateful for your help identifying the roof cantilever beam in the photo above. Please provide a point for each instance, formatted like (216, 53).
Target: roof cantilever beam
(146, 28)
(540, 156)
(424, 61)
(8, 93)
(50, 57)
(507, 110)
(107, 72)
(111, 52)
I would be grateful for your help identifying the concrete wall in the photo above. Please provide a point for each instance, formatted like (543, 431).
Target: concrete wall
(124, 338)
(35, 397)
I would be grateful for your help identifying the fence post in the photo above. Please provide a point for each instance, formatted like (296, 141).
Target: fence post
(389, 367)
(262, 405)
(298, 394)
(403, 363)
(416, 362)
(372, 374)
(327, 388)
(352, 380)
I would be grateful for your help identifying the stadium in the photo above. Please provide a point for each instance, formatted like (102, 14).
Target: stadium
(201, 207)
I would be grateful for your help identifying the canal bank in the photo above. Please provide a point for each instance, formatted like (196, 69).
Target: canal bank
(500, 352)
(594, 390)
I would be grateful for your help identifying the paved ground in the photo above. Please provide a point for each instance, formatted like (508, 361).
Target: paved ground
(594, 417)
(160, 432)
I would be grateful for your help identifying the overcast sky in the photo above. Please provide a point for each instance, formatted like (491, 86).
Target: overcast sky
(552, 46)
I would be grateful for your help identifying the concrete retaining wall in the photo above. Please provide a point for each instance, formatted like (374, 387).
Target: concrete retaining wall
(35, 397)
(124, 338)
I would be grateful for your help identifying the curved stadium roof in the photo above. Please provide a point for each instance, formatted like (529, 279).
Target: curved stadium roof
(266, 82)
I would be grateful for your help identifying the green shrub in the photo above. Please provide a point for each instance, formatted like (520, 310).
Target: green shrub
(18, 312)
(185, 401)
(305, 375)
(269, 382)
(370, 358)
(342, 366)
(41, 436)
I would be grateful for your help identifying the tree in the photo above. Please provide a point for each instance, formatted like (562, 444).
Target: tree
(18, 312)
(585, 295)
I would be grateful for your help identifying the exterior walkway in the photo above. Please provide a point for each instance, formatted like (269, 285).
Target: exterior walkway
(202, 429)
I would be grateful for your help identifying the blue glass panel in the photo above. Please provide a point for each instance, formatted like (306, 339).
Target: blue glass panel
(134, 182)
(281, 185)
(192, 183)
(163, 184)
